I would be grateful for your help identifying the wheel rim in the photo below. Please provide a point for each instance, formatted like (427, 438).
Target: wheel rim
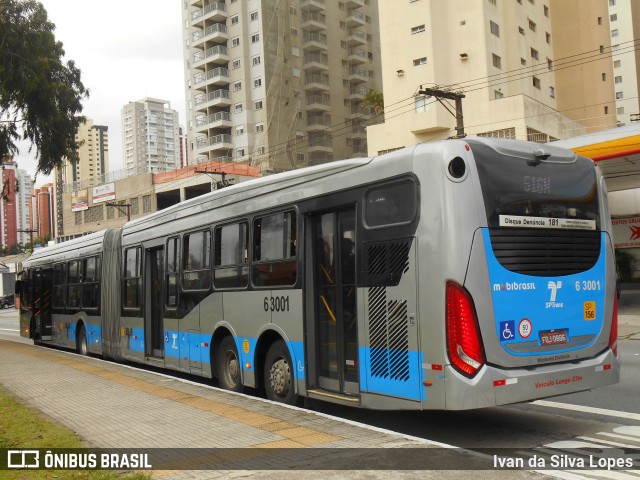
(280, 377)
(231, 373)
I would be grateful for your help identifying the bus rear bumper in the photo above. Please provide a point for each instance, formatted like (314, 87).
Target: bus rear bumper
(501, 387)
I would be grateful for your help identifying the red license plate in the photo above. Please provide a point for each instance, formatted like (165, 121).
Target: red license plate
(553, 337)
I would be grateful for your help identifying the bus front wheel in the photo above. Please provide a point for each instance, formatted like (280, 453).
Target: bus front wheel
(81, 342)
(278, 374)
(229, 365)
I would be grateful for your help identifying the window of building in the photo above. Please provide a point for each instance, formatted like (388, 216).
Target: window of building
(494, 28)
(260, 150)
(294, 32)
(420, 61)
(257, 83)
(497, 61)
(238, 108)
(239, 130)
(604, 76)
(258, 105)
(599, 20)
(146, 204)
(240, 153)
(235, 19)
(613, 17)
(196, 261)
(231, 256)
(614, 32)
(620, 110)
(521, 30)
(417, 29)
(534, 54)
(532, 25)
(618, 79)
(237, 86)
(253, 16)
(132, 294)
(606, 110)
(612, 3)
(497, 94)
(256, 60)
(552, 92)
(235, 41)
(617, 63)
(547, 37)
(420, 103)
(619, 95)
(274, 250)
(259, 127)
(173, 249)
(546, 11)
(549, 64)
(235, 64)
(255, 38)
(536, 82)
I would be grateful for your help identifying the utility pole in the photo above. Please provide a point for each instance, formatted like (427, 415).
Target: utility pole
(457, 97)
(119, 207)
(222, 183)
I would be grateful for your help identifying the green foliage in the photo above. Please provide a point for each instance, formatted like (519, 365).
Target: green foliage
(625, 265)
(40, 95)
(375, 100)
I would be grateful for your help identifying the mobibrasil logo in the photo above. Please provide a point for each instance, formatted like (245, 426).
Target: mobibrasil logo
(513, 286)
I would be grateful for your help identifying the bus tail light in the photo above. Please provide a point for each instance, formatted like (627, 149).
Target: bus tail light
(613, 336)
(464, 345)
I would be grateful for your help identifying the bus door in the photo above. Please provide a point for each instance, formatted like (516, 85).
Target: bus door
(43, 284)
(335, 329)
(153, 302)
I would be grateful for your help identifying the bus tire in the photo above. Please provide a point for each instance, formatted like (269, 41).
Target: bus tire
(81, 342)
(229, 365)
(279, 374)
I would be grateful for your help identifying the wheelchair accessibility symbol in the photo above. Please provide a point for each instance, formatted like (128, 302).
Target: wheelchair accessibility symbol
(507, 330)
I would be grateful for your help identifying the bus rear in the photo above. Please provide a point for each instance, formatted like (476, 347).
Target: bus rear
(535, 313)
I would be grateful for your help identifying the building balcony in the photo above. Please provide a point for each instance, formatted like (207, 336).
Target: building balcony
(215, 11)
(217, 76)
(312, 20)
(356, 36)
(316, 81)
(217, 142)
(312, 5)
(316, 60)
(358, 75)
(319, 122)
(217, 98)
(218, 54)
(216, 33)
(351, 4)
(314, 40)
(319, 102)
(320, 145)
(355, 18)
(358, 132)
(358, 92)
(215, 120)
(357, 55)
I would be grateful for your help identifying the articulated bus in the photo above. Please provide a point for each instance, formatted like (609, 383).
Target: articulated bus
(450, 275)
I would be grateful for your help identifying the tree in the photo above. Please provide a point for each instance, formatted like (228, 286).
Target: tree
(375, 100)
(40, 95)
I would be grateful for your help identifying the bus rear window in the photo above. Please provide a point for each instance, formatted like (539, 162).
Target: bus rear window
(550, 194)
(391, 204)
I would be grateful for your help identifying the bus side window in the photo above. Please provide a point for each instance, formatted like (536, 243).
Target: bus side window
(74, 288)
(60, 285)
(274, 250)
(132, 295)
(173, 247)
(231, 256)
(91, 283)
(196, 261)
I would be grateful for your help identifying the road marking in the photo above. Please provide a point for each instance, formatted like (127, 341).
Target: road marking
(594, 410)
(9, 330)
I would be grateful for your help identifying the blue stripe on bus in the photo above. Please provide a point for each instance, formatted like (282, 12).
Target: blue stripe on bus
(399, 376)
(539, 304)
(94, 334)
(136, 340)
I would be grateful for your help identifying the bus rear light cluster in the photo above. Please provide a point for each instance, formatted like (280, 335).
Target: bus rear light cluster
(464, 345)
(613, 336)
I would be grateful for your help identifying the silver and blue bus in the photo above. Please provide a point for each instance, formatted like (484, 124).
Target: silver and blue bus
(449, 275)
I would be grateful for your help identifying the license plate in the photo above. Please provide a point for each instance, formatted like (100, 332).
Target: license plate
(553, 337)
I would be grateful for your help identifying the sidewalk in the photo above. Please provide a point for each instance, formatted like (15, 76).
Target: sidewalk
(629, 312)
(114, 406)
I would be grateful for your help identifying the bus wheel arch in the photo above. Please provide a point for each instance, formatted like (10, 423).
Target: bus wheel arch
(275, 369)
(226, 360)
(81, 339)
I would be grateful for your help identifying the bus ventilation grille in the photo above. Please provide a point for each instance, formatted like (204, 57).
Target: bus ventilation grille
(386, 262)
(388, 336)
(544, 253)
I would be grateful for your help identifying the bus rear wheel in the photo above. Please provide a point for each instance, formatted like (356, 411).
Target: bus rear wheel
(278, 374)
(81, 342)
(229, 365)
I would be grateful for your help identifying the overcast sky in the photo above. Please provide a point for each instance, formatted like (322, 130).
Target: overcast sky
(126, 50)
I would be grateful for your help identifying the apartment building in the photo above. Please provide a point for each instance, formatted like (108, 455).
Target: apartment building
(279, 84)
(624, 28)
(24, 191)
(150, 136)
(93, 155)
(500, 55)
